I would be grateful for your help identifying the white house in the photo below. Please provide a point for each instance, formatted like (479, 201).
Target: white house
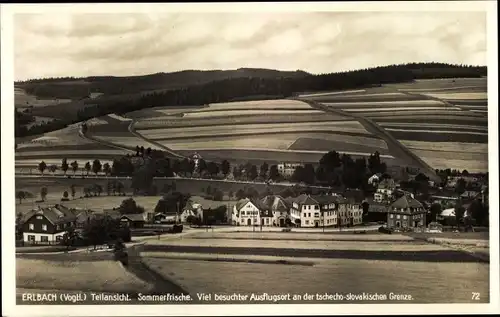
(375, 178)
(287, 169)
(355, 212)
(249, 212)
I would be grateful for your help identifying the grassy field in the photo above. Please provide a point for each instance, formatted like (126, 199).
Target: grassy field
(451, 282)
(25, 100)
(301, 236)
(99, 276)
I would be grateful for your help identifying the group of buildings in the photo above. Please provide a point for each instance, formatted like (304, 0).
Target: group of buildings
(310, 211)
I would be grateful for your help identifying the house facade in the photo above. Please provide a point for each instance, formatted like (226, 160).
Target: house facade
(385, 190)
(280, 210)
(133, 220)
(251, 212)
(406, 213)
(47, 225)
(355, 211)
(287, 169)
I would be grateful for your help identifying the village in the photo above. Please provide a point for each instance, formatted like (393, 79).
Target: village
(388, 205)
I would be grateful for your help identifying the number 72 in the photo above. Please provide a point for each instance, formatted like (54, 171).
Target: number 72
(476, 296)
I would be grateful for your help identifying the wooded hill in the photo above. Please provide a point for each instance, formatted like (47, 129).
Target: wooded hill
(125, 94)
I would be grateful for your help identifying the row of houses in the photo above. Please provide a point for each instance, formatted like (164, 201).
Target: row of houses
(311, 211)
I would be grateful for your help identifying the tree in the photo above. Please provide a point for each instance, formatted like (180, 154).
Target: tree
(366, 208)
(460, 186)
(330, 160)
(106, 168)
(19, 225)
(119, 188)
(212, 168)
(69, 238)
(64, 165)
(264, 168)
(65, 194)
(73, 191)
(251, 192)
(218, 195)
(274, 173)
(252, 173)
(240, 194)
(459, 213)
(129, 206)
(96, 167)
(202, 166)
(74, 166)
(230, 194)
(42, 167)
(465, 173)
(236, 172)
(435, 210)
(21, 195)
(53, 168)
(478, 211)
(88, 167)
(225, 167)
(43, 193)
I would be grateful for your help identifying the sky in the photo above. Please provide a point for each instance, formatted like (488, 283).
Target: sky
(59, 45)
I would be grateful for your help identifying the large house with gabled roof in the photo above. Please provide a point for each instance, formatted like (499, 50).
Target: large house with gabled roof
(251, 212)
(48, 224)
(280, 209)
(406, 212)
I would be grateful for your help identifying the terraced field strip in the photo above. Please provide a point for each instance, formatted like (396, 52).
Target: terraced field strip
(332, 93)
(436, 131)
(396, 103)
(285, 104)
(432, 126)
(447, 146)
(368, 98)
(214, 114)
(296, 235)
(254, 129)
(399, 109)
(460, 96)
(163, 122)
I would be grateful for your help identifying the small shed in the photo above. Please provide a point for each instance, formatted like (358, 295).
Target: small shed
(133, 220)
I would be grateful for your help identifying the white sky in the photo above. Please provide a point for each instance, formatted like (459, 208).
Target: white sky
(55, 45)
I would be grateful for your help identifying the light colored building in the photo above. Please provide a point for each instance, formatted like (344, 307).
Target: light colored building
(287, 169)
(280, 209)
(47, 225)
(385, 190)
(251, 212)
(355, 211)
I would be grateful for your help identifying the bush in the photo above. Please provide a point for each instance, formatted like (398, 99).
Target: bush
(385, 230)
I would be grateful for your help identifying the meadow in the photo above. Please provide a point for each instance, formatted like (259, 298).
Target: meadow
(233, 262)
(97, 276)
(24, 100)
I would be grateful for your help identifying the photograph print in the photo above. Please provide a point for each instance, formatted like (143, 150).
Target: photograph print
(270, 156)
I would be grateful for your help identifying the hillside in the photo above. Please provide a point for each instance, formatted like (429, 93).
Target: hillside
(192, 88)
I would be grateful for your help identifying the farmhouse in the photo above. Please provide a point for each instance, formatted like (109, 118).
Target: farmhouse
(406, 212)
(133, 220)
(251, 212)
(47, 225)
(280, 209)
(287, 169)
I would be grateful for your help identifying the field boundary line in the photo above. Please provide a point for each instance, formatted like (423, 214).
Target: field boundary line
(132, 130)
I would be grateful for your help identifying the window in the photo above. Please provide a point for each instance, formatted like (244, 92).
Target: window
(305, 215)
(58, 227)
(316, 207)
(404, 217)
(44, 227)
(398, 216)
(39, 217)
(31, 238)
(32, 227)
(391, 216)
(44, 239)
(58, 238)
(316, 214)
(309, 215)
(242, 212)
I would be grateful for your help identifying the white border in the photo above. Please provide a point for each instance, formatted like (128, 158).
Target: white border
(8, 197)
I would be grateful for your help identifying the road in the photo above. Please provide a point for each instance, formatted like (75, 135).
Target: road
(395, 147)
(161, 146)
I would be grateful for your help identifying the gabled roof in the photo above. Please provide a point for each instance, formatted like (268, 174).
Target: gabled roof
(306, 200)
(276, 203)
(134, 217)
(387, 183)
(406, 202)
(324, 199)
(55, 214)
(241, 203)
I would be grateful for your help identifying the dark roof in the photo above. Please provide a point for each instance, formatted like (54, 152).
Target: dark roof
(290, 200)
(406, 202)
(324, 199)
(134, 217)
(276, 203)
(241, 203)
(56, 214)
(306, 200)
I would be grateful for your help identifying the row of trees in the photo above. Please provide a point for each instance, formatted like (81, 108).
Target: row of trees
(96, 167)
